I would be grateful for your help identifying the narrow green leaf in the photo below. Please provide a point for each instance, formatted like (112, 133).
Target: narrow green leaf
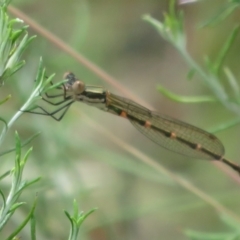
(69, 217)
(230, 222)
(30, 139)
(210, 65)
(184, 99)
(224, 126)
(25, 158)
(222, 14)
(76, 220)
(5, 175)
(194, 235)
(191, 74)
(18, 33)
(29, 183)
(23, 224)
(13, 60)
(75, 209)
(33, 227)
(5, 123)
(15, 206)
(26, 142)
(171, 29)
(47, 86)
(54, 86)
(10, 71)
(5, 100)
(3, 199)
(18, 152)
(6, 3)
(225, 49)
(40, 73)
(86, 215)
(233, 83)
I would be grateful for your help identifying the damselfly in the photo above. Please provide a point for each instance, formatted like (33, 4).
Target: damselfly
(166, 131)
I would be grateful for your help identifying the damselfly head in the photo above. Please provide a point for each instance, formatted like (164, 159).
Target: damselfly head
(73, 84)
(70, 77)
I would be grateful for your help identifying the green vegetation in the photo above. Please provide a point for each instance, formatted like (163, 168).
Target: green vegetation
(141, 190)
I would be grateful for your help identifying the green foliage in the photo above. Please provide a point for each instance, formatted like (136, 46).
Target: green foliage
(211, 236)
(76, 220)
(13, 43)
(227, 9)
(172, 27)
(233, 235)
(184, 99)
(10, 202)
(172, 30)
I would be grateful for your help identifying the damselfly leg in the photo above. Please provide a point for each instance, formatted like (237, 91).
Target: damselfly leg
(52, 114)
(65, 101)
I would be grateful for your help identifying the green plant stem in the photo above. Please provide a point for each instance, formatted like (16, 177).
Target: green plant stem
(210, 81)
(17, 115)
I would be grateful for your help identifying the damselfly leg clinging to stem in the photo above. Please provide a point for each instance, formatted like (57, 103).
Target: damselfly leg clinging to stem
(166, 131)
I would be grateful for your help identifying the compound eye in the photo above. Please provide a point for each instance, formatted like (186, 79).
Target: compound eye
(78, 87)
(67, 75)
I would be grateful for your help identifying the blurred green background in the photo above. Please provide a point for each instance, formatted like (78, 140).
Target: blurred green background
(76, 160)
